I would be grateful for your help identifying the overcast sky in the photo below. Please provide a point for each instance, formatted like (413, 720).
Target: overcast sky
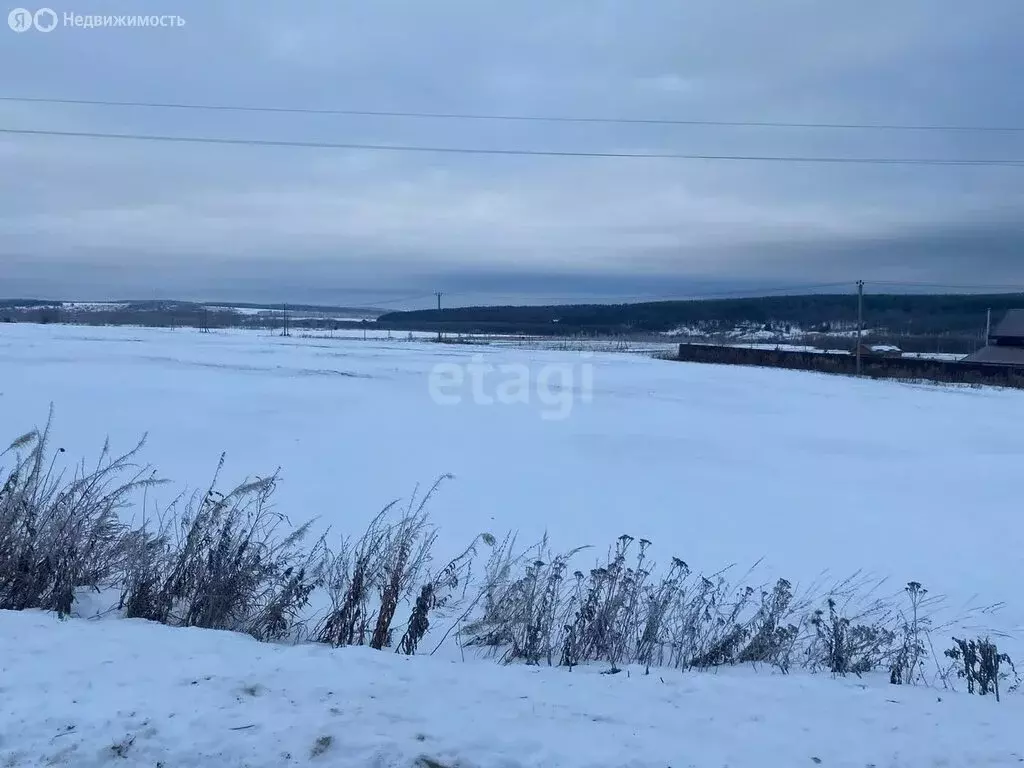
(101, 219)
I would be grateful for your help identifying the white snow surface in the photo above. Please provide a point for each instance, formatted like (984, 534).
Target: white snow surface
(94, 305)
(714, 464)
(951, 356)
(127, 693)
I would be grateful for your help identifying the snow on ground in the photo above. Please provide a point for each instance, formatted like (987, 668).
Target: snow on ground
(714, 464)
(551, 343)
(580, 344)
(944, 356)
(85, 694)
(251, 311)
(949, 356)
(743, 332)
(794, 348)
(86, 306)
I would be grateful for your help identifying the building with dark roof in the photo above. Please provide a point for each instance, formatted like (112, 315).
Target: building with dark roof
(1005, 343)
(1011, 330)
(878, 350)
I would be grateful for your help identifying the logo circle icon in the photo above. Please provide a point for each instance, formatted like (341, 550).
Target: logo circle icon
(45, 19)
(20, 20)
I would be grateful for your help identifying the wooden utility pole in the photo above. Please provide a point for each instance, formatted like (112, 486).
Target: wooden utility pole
(284, 319)
(860, 318)
(438, 294)
(988, 326)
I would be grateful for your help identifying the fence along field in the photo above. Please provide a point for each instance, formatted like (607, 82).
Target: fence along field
(914, 369)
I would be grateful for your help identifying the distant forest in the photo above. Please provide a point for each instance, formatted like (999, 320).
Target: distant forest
(896, 314)
(955, 318)
(172, 314)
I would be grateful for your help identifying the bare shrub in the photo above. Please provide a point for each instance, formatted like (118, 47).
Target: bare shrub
(439, 592)
(658, 603)
(491, 631)
(405, 553)
(719, 634)
(351, 571)
(980, 663)
(849, 647)
(616, 617)
(369, 579)
(59, 533)
(520, 612)
(230, 562)
(907, 664)
(224, 563)
(618, 614)
(772, 635)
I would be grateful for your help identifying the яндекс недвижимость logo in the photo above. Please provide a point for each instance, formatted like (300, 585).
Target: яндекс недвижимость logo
(46, 20)
(22, 19)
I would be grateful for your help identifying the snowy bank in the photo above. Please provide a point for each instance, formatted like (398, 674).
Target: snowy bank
(118, 692)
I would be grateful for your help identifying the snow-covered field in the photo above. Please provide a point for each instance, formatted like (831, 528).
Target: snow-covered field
(810, 468)
(714, 464)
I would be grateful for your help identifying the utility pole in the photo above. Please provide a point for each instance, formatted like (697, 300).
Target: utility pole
(284, 319)
(860, 318)
(438, 294)
(988, 326)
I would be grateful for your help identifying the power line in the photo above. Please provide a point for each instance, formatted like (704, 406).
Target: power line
(759, 292)
(520, 118)
(959, 286)
(1005, 162)
(399, 300)
(679, 296)
(860, 320)
(754, 293)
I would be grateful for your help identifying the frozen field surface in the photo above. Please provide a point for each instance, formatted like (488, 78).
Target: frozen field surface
(127, 693)
(717, 465)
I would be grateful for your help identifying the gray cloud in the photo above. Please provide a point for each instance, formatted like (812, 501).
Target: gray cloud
(93, 219)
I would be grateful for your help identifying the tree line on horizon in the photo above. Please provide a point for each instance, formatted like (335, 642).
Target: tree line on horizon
(899, 314)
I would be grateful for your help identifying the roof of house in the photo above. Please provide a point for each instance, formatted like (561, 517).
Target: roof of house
(878, 349)
(993, 355)
(1011, 326)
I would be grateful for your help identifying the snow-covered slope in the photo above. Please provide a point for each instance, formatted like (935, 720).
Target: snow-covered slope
(716, 465)
(124, 693)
